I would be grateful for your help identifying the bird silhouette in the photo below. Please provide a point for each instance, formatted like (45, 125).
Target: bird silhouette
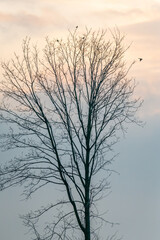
(140, 59)
(76, 26)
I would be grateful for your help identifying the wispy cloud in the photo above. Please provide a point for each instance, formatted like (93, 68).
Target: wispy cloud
(27, 20)
(118, 17)
(22, 19)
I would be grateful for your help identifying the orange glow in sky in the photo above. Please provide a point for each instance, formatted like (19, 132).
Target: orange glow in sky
(138, 20)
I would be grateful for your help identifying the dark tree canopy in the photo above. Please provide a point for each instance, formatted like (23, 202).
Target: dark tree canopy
(64, 112)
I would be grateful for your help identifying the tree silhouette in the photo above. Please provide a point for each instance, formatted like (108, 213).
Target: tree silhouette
(65, 111)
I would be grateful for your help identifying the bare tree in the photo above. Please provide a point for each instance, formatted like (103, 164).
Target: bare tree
(65, 111)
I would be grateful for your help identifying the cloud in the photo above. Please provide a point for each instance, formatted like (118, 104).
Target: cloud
(113, 13)
(145, 37)
(108, 17)
(147, 28)
(32, 21)
(20, 19)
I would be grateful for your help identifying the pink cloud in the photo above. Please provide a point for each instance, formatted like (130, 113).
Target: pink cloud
(31, 21)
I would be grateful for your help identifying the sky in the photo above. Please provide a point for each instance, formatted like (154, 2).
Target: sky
(135, 198)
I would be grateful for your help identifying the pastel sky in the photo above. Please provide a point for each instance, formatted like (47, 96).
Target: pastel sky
(135, 198)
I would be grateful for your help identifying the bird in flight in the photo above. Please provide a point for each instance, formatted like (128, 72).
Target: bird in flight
(76, 26)
(140, 59)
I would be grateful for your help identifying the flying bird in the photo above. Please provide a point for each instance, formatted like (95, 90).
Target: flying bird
(140, 59)
(76, 26)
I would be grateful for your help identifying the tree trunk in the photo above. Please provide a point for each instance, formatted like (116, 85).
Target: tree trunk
(87, 198)
(87, 179)
(87, 215)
